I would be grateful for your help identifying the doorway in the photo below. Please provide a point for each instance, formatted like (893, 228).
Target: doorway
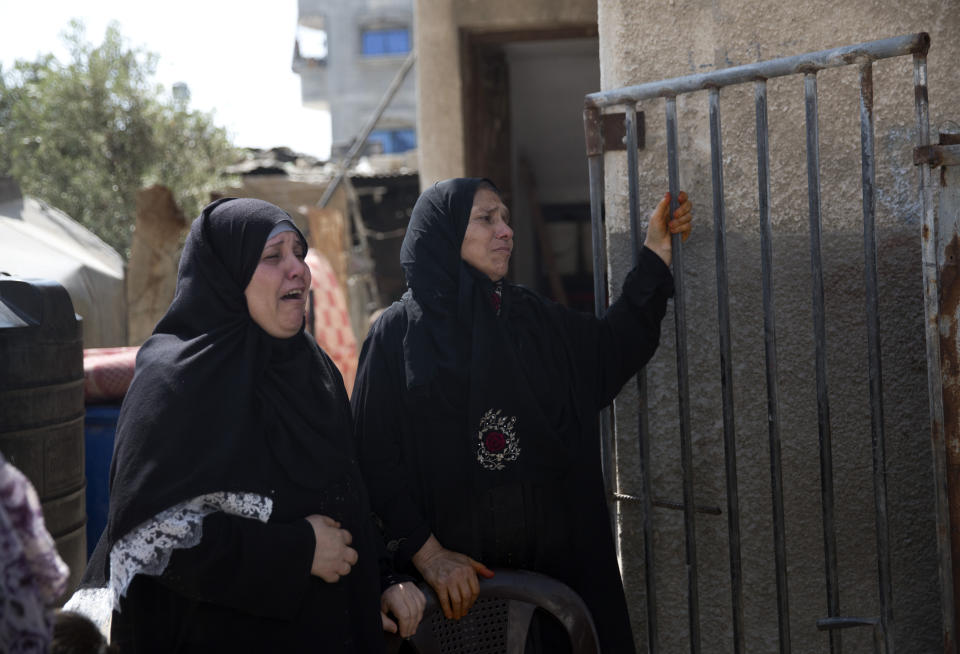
(523, 98)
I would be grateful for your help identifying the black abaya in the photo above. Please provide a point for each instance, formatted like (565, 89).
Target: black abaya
(227, 439)
(479, 424)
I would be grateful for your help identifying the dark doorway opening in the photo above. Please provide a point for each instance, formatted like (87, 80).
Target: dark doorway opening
(523, 103)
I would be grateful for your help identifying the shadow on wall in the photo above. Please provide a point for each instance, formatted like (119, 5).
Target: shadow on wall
(909, 471)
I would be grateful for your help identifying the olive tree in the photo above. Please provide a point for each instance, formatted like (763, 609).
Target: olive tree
(85, 135)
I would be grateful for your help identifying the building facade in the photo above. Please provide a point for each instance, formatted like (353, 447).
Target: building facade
(347, 52)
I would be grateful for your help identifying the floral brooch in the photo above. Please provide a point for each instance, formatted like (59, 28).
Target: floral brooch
(497, 442)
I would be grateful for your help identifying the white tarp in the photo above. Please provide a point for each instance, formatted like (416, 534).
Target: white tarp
(38, 241)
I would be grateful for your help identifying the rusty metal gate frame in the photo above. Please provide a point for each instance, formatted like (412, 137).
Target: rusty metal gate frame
(862, 55)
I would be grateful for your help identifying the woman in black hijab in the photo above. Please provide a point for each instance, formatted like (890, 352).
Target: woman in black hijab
(476, 407)
(238, 518)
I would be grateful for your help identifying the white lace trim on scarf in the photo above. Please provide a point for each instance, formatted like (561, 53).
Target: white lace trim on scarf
(147, 549)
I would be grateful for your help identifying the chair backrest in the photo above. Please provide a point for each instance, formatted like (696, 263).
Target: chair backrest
(500, 618)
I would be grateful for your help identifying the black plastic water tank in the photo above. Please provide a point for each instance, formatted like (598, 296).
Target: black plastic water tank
(41, 406)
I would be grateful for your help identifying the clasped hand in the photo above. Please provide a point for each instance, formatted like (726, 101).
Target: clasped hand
(332, 556)
(405, 602)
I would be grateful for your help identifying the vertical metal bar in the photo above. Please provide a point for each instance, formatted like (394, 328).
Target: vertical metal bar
(643, 434)
(868, 182)
(596, 228)
(633, 181)
(683, 385)
(726, 372)
(594, 143)
(938, 419)
(770, 344)
(820, 338)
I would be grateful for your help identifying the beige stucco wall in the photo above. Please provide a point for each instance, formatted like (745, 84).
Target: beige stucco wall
(651, 40)
(439, 88)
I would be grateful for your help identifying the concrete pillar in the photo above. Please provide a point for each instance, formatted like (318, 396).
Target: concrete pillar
(439, 97)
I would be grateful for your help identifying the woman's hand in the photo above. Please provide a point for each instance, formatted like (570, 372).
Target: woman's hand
(406, 603)
(452, 575)
(332, 556)
(660, 229)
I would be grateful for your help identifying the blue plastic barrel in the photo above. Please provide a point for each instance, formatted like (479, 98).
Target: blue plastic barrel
(100, 427)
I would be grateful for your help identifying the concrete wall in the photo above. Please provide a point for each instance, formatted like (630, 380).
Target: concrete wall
(351, 84)
(440, 89)
(651, 40)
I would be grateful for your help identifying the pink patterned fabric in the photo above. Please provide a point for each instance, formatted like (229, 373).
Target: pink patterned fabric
(107, 373)
(331, 320)
(32, 574)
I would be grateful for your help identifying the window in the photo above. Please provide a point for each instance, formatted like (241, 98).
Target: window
(378, 43)
(394, 140)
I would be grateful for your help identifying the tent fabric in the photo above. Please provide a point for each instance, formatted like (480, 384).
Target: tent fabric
(38, 241)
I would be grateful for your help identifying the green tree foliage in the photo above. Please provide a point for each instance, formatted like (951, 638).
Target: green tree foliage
(85, 136)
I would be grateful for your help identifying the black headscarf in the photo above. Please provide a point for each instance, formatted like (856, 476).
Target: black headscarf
(507, 370)
(214, 394)
(440, 283)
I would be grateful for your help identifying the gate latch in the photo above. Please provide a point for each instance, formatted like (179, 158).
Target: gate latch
(945, 154)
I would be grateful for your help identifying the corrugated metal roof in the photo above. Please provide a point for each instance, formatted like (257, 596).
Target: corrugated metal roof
(300, 167)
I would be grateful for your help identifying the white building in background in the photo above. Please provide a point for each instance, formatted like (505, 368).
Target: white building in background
(347, 52)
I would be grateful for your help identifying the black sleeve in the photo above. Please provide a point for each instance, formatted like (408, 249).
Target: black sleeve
(386, 560)
(378, 415)
(254, 567)
(611, 349)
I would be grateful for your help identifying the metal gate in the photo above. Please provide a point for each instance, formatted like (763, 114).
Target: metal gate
(806, 66)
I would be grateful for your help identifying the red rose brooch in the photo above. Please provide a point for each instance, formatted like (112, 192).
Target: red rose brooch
(497, 442)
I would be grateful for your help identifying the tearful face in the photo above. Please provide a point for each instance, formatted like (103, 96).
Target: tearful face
(277, 292)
